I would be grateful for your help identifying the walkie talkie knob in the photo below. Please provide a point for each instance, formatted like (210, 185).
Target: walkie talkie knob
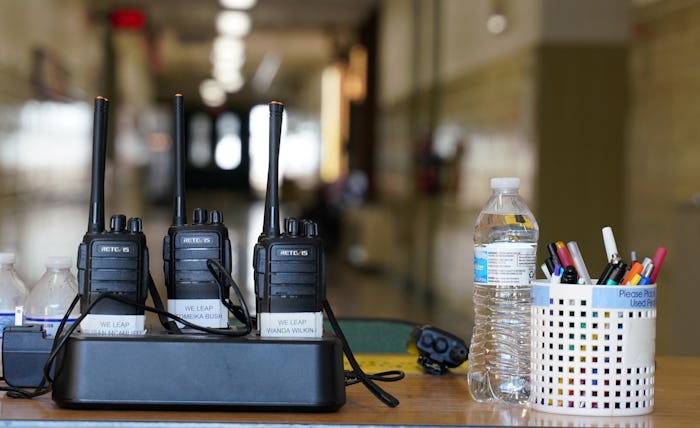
(292, 226)
(135, 225)
(117, 223)
(311, 228)
(199, 216)
(216, 217)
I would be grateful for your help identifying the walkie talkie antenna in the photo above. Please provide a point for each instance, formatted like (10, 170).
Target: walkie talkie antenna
(180, 214)
(96, 216)
(271, 224)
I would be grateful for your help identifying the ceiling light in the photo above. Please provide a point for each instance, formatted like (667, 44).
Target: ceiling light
(211, 92)
(227, 48)
(229, 80)
(496, 23)
(237, 4)
(233, 23)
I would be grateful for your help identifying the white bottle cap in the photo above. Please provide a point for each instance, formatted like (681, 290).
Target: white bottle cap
(58, 262)
(7, 258)
(505, 183)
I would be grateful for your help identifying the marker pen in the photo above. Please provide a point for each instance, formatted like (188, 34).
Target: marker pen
(550, 265)
(579, 264)
(569, 276)
(603, 278)
(552, 249)
(556, 275)
(543, 266)
(635, 279)
(633, 258)
(634, 270)
(610, 245)
(617, 274)
(658, 260)
(646, 273)
(563, 253)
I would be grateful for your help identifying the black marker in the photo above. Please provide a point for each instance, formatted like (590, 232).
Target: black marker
(549, 263)
(570, 276)
(552, 248)
(603, 278)
(617, 274)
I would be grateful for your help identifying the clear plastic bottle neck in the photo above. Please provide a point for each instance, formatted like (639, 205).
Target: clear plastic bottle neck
(506, 191)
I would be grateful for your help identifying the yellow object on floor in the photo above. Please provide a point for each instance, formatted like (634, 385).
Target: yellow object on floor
(374, 363)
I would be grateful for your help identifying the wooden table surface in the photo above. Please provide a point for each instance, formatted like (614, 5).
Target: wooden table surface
(425, 400)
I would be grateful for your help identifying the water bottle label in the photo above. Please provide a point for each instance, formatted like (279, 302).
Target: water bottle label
(504, 263)
(50, 324)
(5, 320)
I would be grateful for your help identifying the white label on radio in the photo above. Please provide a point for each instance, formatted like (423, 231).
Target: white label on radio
(202, 312)
(113, 325)
(291, 324)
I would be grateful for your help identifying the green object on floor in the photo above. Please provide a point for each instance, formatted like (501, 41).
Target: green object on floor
(377, 336)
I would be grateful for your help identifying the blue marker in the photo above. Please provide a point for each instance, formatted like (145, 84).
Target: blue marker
(556, 275)
(646, 274)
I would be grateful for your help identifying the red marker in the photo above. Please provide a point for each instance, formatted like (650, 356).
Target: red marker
(564, 255)
(658, 260)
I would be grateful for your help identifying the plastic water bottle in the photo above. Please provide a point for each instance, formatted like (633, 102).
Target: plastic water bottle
(505, 245)
(13, 292)
(52, 295)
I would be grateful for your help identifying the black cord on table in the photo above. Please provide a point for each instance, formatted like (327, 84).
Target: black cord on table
(357, 375)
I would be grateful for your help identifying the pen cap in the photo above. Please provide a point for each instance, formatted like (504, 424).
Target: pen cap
(658, 261)
(609, 241)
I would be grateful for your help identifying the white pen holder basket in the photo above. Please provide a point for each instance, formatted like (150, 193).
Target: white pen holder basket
(593, 349)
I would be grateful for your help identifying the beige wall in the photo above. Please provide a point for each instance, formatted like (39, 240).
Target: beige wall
(663, 155)
(63, 29)
(596, 101)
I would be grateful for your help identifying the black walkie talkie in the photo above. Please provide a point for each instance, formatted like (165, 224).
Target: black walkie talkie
(193, 292)
(113, 261)
(289, 266)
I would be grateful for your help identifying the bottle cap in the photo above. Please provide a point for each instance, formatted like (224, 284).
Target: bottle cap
(7, 258)
(58, 262)
(505, 183)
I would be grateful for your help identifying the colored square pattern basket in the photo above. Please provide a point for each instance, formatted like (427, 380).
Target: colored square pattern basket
(593, 349)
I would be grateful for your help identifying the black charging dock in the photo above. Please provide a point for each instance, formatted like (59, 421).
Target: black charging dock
(177, 371)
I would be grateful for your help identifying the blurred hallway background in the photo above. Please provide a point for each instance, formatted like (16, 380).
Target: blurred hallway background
(398, 112)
